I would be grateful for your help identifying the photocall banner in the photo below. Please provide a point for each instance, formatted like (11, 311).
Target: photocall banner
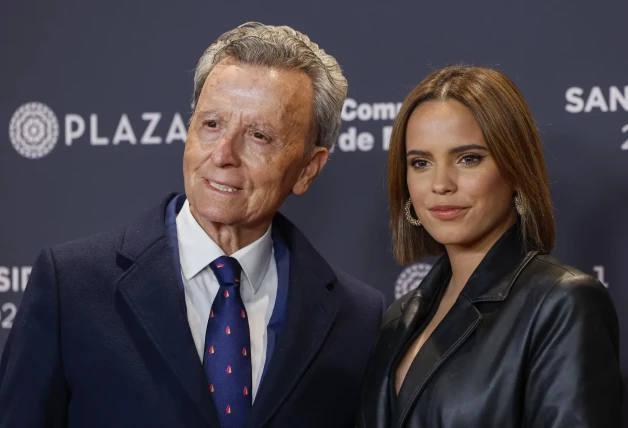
(96, 97)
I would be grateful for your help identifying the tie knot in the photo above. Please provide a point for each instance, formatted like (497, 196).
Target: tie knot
(227, 270)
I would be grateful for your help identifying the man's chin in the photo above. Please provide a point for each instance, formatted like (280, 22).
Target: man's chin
(215, 215)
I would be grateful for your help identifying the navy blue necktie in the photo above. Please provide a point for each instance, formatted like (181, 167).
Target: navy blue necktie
(227, 358)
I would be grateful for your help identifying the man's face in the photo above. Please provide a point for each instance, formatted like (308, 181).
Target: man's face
(247, 142)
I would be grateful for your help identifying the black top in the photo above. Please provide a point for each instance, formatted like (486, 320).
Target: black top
(528, 343)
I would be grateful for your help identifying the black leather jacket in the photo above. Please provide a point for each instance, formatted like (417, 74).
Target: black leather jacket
(529, 343)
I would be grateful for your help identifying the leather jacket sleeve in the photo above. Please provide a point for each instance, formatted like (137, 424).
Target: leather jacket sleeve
(573, 376)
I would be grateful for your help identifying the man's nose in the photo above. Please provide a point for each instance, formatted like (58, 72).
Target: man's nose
(226, 150)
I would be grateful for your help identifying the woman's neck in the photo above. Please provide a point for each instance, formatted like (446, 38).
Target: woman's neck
(464, 259)
(463, 264)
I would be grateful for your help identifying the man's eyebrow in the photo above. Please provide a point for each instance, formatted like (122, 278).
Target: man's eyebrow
(208, 114)
(264, 127)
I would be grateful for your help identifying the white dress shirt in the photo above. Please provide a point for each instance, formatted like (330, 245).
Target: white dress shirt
(258, 287)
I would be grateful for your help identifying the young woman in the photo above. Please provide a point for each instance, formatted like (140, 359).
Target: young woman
(499, 334)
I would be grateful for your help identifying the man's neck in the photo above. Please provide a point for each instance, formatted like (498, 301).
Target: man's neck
(231, 238)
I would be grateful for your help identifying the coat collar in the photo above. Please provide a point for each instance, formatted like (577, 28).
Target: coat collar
(310, 313)
(302, 250)
(492, 280)
(151, 296)
(153, 307)
(144, 231)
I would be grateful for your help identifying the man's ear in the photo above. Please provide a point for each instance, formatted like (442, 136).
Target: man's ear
(318, 159)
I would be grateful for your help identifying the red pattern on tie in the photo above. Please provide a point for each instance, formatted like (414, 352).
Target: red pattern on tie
(228, 333)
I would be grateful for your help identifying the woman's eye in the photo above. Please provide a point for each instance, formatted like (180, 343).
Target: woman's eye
(419, 163)
(470, 159)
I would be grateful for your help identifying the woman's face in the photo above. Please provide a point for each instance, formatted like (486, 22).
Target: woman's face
(456, 188)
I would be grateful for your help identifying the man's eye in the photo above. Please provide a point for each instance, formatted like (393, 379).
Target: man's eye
(259, 136)
(211, 123)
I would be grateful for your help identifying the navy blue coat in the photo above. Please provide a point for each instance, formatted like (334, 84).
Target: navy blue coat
(101, 339)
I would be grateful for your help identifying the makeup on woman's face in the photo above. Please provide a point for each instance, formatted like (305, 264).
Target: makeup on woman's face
(456, 187)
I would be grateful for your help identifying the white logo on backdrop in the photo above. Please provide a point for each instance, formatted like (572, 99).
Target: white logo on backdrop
(13, 279)
(34, 130)
(360, 138)
(410, 278)
(599, 100)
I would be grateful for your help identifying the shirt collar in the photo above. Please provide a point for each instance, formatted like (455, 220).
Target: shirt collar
(197, 250)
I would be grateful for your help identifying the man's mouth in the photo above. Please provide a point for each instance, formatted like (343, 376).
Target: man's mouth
(223, 187)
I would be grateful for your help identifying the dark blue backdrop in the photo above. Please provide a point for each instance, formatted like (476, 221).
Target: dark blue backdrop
(98, 72)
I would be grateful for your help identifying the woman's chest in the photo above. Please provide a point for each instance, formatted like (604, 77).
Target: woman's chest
(474, 378)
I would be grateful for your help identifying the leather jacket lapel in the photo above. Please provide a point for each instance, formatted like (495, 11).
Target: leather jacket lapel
(456, 327)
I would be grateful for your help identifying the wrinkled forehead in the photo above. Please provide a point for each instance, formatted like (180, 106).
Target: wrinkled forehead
(285, 95)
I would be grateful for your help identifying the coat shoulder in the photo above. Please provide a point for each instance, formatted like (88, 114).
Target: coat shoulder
(102, 249)
(89, 248)
(564, 292)
(549, 274)
(368, 298)
(565, 285)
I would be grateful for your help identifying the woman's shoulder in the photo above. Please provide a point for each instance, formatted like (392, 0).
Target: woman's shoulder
(547, 272)
(562, 288)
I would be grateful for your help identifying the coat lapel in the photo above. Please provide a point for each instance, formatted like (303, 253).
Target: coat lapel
(423, 301)
(451, 333)
(150, 293)
(310, 313)
(402, 320)
(490, 282)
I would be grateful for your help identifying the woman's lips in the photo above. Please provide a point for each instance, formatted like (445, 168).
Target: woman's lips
(446, 212)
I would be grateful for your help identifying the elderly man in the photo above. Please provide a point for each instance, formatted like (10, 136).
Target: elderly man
(211, 310)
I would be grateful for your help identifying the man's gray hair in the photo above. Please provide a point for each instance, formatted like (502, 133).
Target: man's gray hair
(283, 48)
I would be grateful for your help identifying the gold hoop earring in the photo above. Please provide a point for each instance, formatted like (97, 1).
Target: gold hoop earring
(521, 204)
(413, 221)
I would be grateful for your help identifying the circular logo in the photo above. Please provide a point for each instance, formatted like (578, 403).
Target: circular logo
(410, 278)
(34, 130)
